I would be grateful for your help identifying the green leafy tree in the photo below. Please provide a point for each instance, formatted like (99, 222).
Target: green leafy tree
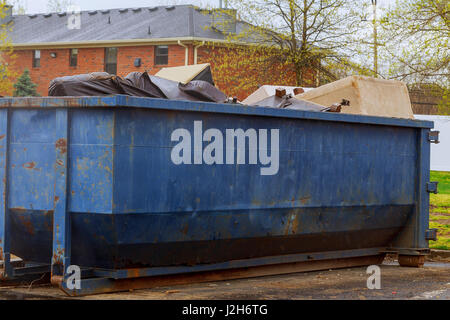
(6, 50)
(417, 34)
(24, 87)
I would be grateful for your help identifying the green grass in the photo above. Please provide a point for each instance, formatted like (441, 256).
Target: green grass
(444, 180)
(443, 241)
(437, 217)
(442, 199)
(439, 206)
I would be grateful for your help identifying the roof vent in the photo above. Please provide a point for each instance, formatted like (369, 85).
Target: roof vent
(170, 8)
(91, 13)
(123, 10)
(47, 15)
(153, 9)
(149, 30)
(136, 9)
(62, 14)
(106, 11)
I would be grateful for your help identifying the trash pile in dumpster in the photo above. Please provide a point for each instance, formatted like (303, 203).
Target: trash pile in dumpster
(192, 83)
(135, 84)
(354, 95)
(287, 101)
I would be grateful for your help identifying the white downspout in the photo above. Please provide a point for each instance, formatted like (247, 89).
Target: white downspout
(186, 52)
(195, 51)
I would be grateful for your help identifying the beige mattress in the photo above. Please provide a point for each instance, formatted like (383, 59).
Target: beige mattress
(367, 96)
(182, 74)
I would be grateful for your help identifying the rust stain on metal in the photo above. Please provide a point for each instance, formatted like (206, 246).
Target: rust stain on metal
(133, 273)
(287, 227)
(61, 145)
(185, 229)
(305, 200)
(56, 198)
(2, 136)
(56, 280)
(29, 165)
(411, 261)
(29, 227)
(27, 224)
(18, 209)
(58, 256)
(295, 224)
(292, 224)
(49, 225)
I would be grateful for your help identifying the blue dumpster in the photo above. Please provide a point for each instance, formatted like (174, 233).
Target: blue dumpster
(128, 187)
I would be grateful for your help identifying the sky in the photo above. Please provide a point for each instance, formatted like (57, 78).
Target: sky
(40, 6)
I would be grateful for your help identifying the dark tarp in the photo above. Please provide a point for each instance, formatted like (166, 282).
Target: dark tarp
(205, 75)
(99, 84)
(135, 84)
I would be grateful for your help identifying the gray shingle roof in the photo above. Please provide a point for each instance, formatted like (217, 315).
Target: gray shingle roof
(117, 24)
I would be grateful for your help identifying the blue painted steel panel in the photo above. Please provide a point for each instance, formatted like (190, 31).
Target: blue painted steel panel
(95, 179)
(313, 166)
(91, 162)
(31, 155)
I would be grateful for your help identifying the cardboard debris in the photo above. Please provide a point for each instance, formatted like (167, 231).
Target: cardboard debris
(289, 102)
(185, 74)
(367, 96)
(283, 100)
(266, 91)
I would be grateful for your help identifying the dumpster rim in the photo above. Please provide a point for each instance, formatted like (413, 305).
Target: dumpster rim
(124, 101)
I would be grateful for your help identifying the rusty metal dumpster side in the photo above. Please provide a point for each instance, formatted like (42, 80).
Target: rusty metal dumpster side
(130, 188)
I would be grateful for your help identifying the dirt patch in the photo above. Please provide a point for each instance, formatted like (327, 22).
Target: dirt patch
(348, 283)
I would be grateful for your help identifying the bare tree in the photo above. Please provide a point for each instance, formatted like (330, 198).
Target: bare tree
(19, 6)
(58, 5)
(313, 36)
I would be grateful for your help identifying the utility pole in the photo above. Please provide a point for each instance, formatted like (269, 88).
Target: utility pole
(375, 39)
(221, 4)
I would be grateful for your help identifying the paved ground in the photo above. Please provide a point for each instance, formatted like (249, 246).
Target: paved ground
(430, 282)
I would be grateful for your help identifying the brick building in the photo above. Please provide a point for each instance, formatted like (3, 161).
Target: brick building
(120, 41)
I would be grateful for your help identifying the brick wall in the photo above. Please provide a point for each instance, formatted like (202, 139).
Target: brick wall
(92, 60)
(241, 73)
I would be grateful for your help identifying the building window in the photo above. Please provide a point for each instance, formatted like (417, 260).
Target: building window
(36, 58)
(73, 57)
(111, 60)
(161, 55)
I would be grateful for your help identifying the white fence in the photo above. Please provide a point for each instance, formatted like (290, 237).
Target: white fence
(440, 153)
